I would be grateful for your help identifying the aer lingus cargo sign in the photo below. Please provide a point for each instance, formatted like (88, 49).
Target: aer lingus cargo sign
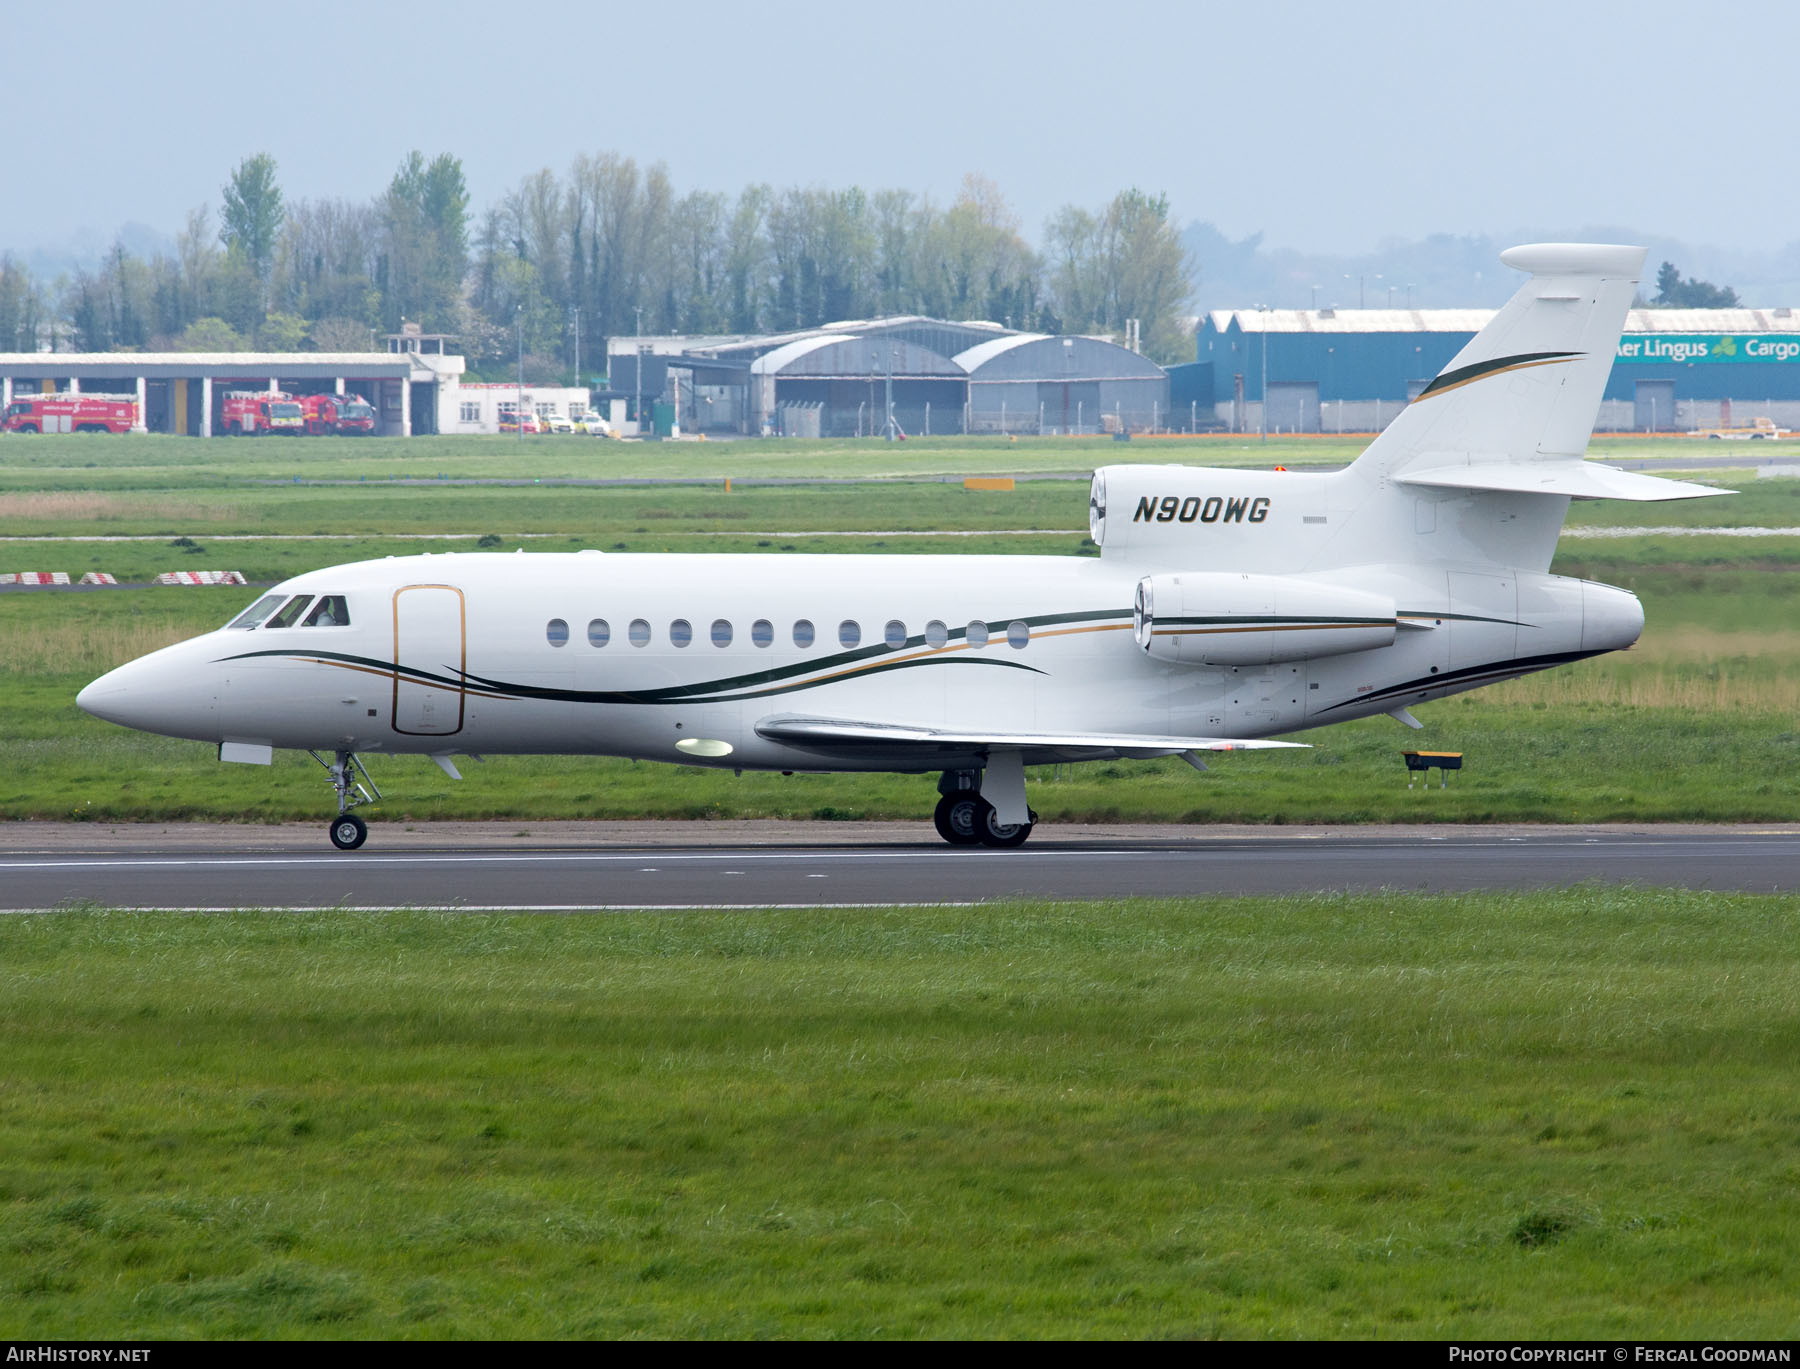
(1708, 348)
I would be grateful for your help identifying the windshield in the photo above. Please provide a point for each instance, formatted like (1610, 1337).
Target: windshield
(253, 615)
(285, 410)
(357, 409)
(291, 614)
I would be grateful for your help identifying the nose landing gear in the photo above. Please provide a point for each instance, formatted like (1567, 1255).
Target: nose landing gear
(347, 830)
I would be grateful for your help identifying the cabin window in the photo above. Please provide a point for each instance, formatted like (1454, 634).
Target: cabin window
(895, 634)
(762, 632)
(1017, 634)
(330, 611)
(803, 633)
(253, 615)
(849, 632)
(936, 634)
(599, 632)
(681, 632)
(721, 632)
(290, 614)
(639, 632)
(556, 632)
(976, 634)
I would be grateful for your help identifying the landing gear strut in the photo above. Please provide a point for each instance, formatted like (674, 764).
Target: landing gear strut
(347, 830)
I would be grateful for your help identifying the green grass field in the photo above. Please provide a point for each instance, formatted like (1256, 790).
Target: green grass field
(1561, 1116)
(80, 462)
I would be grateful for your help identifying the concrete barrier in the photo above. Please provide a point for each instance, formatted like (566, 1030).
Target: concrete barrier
(200, 577)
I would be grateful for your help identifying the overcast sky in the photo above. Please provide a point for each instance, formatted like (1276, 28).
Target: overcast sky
(1325, 126)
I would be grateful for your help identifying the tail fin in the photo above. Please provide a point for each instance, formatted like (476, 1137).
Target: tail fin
(1527, 387)
(1514, 409)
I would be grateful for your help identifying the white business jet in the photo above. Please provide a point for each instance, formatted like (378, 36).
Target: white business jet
(1226, 607)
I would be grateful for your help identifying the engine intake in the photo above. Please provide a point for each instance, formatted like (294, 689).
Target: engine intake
(1222, 618)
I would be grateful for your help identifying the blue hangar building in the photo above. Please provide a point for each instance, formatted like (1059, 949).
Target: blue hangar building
(1352, 370)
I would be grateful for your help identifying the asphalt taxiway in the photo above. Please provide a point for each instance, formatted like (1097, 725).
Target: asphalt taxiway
(597, 866)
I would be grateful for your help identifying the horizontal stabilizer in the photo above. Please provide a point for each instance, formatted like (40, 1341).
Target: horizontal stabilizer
(837, 734)
(1576, 478)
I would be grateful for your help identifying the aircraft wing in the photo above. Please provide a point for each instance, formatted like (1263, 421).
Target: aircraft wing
(933, 745)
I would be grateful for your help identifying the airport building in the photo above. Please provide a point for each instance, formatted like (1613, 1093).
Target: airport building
(838, 380)
(1352, 370)
(481, 408)
(1032, 383)
(412, 389)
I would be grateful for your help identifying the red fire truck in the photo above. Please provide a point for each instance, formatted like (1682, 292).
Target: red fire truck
(67, 413)
(345, 414)
(252, 412)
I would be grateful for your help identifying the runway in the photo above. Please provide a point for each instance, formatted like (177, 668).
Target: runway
(571, 867)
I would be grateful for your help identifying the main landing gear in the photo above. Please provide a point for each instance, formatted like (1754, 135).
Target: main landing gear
(347, 830)
(965, 818)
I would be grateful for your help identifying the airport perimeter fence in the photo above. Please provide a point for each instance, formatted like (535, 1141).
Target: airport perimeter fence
(1118, 420)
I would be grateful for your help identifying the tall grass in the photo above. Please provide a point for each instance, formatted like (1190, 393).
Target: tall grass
(72, 506)
(1691, 666)
(90, 646)
(1700, 690)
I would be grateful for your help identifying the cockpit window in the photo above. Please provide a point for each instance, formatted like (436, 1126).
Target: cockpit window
(330, 611)
(290, 614)
(253, 615)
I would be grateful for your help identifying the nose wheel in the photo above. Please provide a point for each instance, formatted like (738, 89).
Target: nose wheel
(347, 830)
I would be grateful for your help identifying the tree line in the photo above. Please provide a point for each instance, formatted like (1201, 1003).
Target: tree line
(609, 249)
(1672, 292)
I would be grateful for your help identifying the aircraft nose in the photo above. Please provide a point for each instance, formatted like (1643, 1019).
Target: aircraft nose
(104, 697)
(157, 693)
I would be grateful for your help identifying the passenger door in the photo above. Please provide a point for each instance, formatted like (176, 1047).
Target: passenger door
(430, 654)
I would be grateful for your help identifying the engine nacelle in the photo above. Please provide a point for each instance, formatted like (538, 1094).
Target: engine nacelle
(1222, 618)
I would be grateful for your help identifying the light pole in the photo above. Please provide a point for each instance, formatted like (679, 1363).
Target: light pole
(519, 413)
(892, 354)
(637, 345)
(1265, 371)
